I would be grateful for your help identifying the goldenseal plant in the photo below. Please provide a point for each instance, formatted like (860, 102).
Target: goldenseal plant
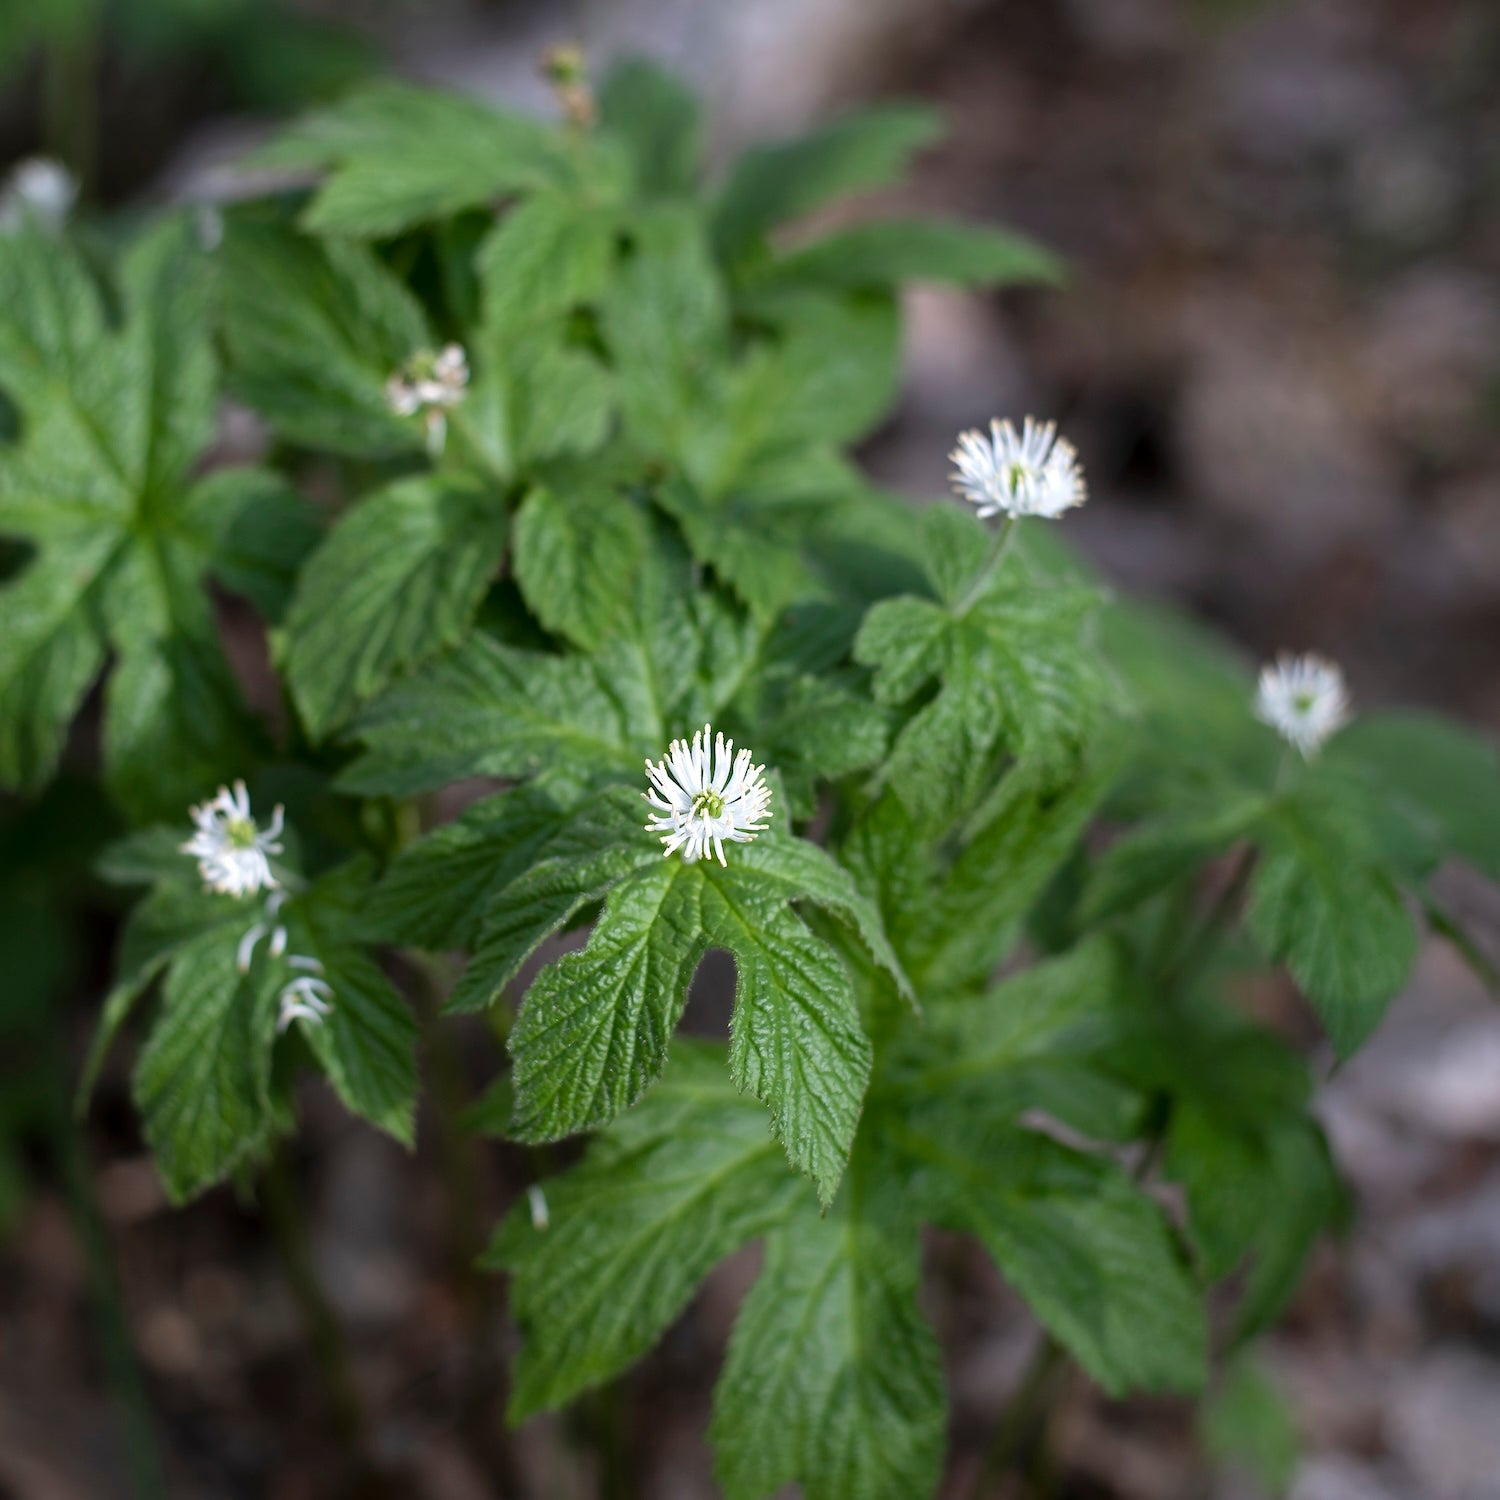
(991, 878)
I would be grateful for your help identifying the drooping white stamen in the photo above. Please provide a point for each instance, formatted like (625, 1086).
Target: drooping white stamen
(1030, 473)
(232, 852)
(704, 793)
(1304, 699)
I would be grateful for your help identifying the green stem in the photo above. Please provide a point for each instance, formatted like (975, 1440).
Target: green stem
(1026, 1418)
(1195, 952)
(1004, 535)
(464, 1189)
(122, 1371)
(70, 101)
(330, 1351)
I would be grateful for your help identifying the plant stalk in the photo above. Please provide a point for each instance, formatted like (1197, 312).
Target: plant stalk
(330, 1350)
(122, 1370)
(1004, 535)
(1026, 1418)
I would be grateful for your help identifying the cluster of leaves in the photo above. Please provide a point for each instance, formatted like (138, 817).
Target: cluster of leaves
(642, 519)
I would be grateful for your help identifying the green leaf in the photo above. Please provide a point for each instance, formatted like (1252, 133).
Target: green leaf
(1040, 1039)
(1147, 860)
(1014, 667)
(533, 398)
(797, 869)
(600, 841)
(1033, 822)
(665, 323)
(578, 551)
(261, 532)
(795, 1040)
(1090, 1253)
(173, 720)
(666, 1192)
(1250, 1424)
(749, 544)
(1319, 905)
(488, 710)
(548, 255)
(657, 119)
(172, 916)
(112, 419)
(399, 155)
(435, 892)
(1192, 698)
(813, 730)
(891, 251)
(772, 184)
(203, 1080)
(833, 1377)
(367, 1044)
(314, 331)
(1441, 776)
(595, 1028)
(52, 654)
(399, 577)
(1308, 1201)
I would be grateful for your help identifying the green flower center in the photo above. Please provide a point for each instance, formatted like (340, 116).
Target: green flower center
(241, 832)
(1014, 474)
(1303, 702)
(708, 804)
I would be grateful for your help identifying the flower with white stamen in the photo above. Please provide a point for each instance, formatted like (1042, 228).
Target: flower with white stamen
(231, 849)
(429, 384)
(306, 998)
(1303, 698)
(703, 794)
(1030, 473)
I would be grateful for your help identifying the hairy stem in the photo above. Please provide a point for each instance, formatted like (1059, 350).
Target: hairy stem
(1004, 535)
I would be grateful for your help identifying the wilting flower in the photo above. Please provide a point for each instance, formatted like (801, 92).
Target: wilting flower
(38, 191)
(245, 953)
(230, 848)
(1303, 698)
(705, 794)
(307, 997)
(537, 1201)
(1035, 473)
(430, 383)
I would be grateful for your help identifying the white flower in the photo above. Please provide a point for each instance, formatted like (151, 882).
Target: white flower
(1303, 698)
(306, 998)
(38, 191)
(428, 380)
(430, 383)
(1033, 474)
(231, 849)
(706, 795)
